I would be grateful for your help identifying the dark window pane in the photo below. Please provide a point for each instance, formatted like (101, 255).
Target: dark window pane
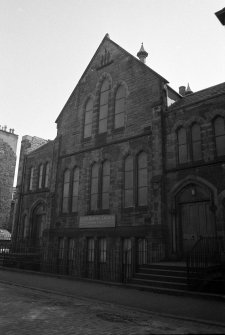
(103, 126)
(129, 179)
(94, 201)
(121, 92)
(129, 163)
(105, 85)
(104, 98)
(129, 198)
(219, 126)
(88, 117)
(120, 106)
(119, 120)
(142, 196)
(197, 151)
(182, 138)
(94, 171)
(196, 134)
(105, 201)
(103, 112)
(74, 204)
(142, 177)
(220, 145)
(183, 154)
(142, 161)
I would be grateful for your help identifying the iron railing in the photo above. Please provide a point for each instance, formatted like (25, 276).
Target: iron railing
(204, 261)
(75, 259)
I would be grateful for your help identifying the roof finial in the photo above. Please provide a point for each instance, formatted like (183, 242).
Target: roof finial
(188, 90)
(142, 54)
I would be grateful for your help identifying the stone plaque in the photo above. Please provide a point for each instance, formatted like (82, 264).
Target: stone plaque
(97, 221)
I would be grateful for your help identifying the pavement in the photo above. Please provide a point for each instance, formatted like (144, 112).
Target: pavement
(85, 307)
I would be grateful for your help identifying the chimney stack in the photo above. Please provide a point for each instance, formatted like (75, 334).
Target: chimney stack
(182, 90)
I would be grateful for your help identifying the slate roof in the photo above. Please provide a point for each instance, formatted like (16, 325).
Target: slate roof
(199, 96)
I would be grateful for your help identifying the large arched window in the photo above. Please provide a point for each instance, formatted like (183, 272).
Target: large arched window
(182, 146)
(105, 184)
(120, 103)
(94, 186)
(40, 176)
(75, 190)
(219, 130)
(103, 107)
(196, 145)
(66, 187)
(142, 182)
(31, 179)
(88, 118)
(129, 182)
(47, 167)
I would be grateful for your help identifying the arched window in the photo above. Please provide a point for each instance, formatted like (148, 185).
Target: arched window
(25, 226)
(129, 182)
(47, 166)
(66, 187)
(75, 190)
(103, 108)
(219, 131)
(31, 180)
(94, 186)
(40, 178)
(105, 184)
(142, 182)
(196, 142)
(182, 146)
(88, 118)
(120, 103)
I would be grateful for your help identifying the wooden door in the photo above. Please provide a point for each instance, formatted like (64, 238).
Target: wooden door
(197, 220)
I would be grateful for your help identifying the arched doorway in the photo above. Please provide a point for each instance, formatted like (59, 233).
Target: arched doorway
(38, 224)
(195, 217)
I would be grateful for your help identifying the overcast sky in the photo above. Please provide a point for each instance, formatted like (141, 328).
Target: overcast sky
(47, 44)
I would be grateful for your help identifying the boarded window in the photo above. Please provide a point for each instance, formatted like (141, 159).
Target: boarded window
(41, 167)
(196, 142)
(31, 180)
(66, 186)
(102, 250)
(47, 166)
(94, 186)
(105, 184)
(75, 190)
(219, 130)
(129, 182)
(90, 250)
(142, 179)
(88, 119)
(103, 108)
(182, 146)
(120, 107)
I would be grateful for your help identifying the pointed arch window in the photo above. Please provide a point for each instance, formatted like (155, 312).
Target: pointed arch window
(142, 182)
(120, 103)
(40, 179)
(94, 186)
(196, 145)
(129, 182)
(219, 131)
(103, 107)
(75, 188)
(31, 180)
(182, 145)
(88, 119)
(105, 184)
(47, 167)
(66, 187)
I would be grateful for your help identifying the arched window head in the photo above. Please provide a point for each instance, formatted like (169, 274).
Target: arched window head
(105, 184)
(103, 107)
(196, 145)
(47, 169)
(182, 146)
(120, 104)
(129, 182)
(88, 118)
(40, 179)
(31, 179)
(66, 187)
(94, 186)
(75, 190)
(219, 131)
(142, 184)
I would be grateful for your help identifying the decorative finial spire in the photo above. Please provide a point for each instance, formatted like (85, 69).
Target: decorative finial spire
(188, 90)
(142, 54)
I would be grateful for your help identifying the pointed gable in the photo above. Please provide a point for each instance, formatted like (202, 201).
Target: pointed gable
(107, 52)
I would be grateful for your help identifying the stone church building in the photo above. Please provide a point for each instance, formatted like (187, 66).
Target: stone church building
(135, 166)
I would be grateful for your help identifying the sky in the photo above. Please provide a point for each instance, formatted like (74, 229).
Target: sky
(47, 44)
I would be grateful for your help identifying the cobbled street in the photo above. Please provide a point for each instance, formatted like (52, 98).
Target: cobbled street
(26, 311)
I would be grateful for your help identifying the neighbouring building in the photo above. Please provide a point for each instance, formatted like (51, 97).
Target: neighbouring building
(135, 166)
(8, 144)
